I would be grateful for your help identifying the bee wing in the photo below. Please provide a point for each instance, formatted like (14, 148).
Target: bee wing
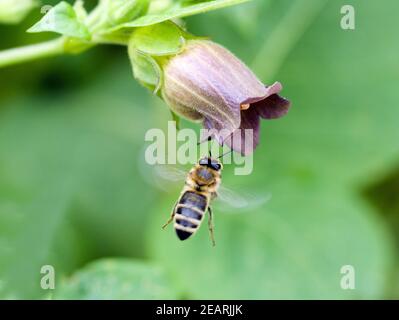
(163, 177)
(237, 201)
(170, 173)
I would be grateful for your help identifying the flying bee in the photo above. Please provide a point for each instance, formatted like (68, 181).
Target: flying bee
(202, 186)
(200, 189)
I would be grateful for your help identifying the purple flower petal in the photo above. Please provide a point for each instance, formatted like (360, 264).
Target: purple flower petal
(266, 92)
(246, 138)
(273, 107)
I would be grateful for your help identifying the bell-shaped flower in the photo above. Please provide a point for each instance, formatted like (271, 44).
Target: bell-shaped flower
(207, 83)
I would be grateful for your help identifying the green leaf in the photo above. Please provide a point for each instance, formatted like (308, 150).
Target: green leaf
(159, 39)
(13, 12)
(178, 12)
(64, 20)
(118, 279)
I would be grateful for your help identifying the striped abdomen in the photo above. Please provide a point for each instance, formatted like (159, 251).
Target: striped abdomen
(189, 213)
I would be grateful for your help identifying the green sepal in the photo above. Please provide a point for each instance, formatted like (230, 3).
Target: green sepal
(146, 69)
(64, 20)
(176, 119)
(162, 39)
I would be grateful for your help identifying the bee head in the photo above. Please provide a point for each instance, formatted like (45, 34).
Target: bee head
(211, 163)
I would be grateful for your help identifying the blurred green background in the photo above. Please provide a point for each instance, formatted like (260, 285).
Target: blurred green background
(72, 195)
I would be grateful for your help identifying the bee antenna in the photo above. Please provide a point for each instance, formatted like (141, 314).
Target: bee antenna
(202, 141)
(225, 154)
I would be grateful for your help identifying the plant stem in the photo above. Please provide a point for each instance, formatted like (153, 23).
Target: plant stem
(32, 52)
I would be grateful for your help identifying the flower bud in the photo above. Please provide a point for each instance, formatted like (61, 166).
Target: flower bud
(207, 83)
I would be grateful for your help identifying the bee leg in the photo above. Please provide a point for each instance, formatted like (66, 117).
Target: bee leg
(169, 221)
(211, 226)
(172, 216)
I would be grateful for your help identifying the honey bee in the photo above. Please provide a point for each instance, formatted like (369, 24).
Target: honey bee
(201, 187)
